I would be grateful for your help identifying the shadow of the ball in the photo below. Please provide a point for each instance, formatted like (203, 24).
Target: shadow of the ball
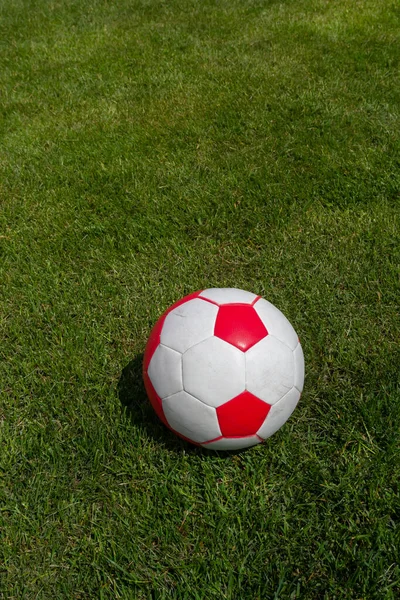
(134, 401)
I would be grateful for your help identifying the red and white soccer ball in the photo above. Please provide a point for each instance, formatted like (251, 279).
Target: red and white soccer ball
(223, 368)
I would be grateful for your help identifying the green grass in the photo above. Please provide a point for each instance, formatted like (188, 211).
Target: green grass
(149, 149)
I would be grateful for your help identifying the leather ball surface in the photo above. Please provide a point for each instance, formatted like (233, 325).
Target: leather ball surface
(223, 368)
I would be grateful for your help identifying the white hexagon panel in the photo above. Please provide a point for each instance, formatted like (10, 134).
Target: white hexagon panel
(191, 418)
(214, 371)
(223, 368)
(279, 413)
(228, 296)
(226, 443)
(189, 324)
(276, 323)
(165, 371)
(298, 367)
(269, 369)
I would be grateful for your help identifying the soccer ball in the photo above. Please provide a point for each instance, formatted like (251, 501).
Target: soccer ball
(223, 368)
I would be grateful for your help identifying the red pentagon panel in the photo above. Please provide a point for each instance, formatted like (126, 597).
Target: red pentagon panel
(242, 415)
(239, 325)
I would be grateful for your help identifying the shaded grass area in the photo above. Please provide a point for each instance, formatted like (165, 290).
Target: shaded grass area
(149, 149)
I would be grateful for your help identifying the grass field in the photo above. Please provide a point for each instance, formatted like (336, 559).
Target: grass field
(149, 149)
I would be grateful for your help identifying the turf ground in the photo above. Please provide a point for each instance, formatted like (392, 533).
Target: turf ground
(148, 149)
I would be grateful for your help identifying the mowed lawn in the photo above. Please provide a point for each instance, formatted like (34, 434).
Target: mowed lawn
(148, 149)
